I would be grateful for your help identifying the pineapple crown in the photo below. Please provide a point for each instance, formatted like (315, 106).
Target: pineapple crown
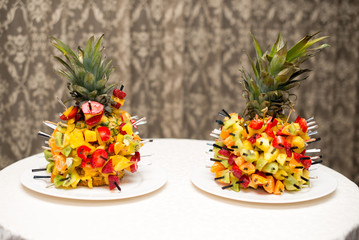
(275, 73)
(87, 72)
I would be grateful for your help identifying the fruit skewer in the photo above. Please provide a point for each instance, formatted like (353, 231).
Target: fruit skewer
(262, 148)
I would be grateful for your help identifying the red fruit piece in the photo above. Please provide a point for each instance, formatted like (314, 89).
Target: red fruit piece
(104, 133)
(224, 152)
(134, 167)
(306, 163)
(98, 158)
(71, 115)
(138, 156)
(108, 168)
(112, 179)
(236, 171)
(254, 138)
(279, 142)
(118, 93)
(231, 159)
(111, 148)
(86, 163)
(256, 124)
(120, 128)
(92, 108)
(94, 120)
(244, 181)
(83, 151)
(117, 105)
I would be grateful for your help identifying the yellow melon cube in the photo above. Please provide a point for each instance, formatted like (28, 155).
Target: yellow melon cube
(90, 136)
(281, 158)
(76, 139)
(271, 154)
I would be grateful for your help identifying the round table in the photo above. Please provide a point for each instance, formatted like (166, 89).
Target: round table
(178, 210)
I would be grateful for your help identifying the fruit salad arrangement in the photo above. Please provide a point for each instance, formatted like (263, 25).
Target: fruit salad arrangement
(95, 142)
(263, 149)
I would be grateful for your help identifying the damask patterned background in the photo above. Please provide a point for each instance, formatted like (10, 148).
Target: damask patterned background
(179, 63)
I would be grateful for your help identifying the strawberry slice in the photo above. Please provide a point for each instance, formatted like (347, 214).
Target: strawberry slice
(112, 179)
(94, 120)
(138, 156)
(111, 148)
(108, 168)
(98, 158)
(224, 152)
(119, 94)
(83, 151)
(71, 114)
(104, 133)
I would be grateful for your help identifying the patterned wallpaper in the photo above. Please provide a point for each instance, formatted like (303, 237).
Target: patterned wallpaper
(179, 63)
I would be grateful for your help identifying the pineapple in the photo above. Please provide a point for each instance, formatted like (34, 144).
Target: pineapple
(264, 149)
(95, 143)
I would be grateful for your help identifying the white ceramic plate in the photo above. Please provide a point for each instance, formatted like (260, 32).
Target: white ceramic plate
(147, 179)
(323, 185)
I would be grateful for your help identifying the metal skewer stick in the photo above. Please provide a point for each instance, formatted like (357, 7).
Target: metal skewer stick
(314, 150)
(310, 119)
(313, 127)
(311, 123)
(61, 102)
(312, 133)
(42, 134)
(221, 114)
(214, 135)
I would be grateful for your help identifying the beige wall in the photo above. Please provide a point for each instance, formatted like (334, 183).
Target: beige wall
(179, 63)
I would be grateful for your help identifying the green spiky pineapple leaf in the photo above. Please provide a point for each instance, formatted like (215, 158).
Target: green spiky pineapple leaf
(275, 74)
(87, 72)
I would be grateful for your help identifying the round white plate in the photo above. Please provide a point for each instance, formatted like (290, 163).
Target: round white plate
(147, 179)
(321, 186)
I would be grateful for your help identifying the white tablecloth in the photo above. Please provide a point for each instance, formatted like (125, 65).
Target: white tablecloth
(178, 210)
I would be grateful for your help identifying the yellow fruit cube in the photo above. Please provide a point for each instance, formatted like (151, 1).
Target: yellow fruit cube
(127, 128)
(263, 144)
(281, 158)
(68, 110)
(247, 145)
(76, 139)
(118, 147)
(122, 163)
(299, 143)
(271, 154)
(90, 136)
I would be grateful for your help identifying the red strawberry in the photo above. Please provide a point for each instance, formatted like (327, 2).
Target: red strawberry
(111, 148)
(104, 133)
(236, 171)
(98, 158)
(118, 93)
(224, 152)
(108, 168)
(112, 179)
(134, 167)
(83, 151)
(117, 105)
(120, 128)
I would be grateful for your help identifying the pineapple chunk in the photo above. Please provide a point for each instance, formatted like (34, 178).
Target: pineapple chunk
(299, 143)
(281, 158)
(281, 174)
(271, 154)
(263, 144)
(76, 139)
(90, 136)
